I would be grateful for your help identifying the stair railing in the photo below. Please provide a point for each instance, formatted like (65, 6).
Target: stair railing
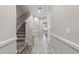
(29, 36)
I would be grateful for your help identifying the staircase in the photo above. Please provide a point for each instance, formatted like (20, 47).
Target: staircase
(22, 46)
(21, 34)
(21, 38)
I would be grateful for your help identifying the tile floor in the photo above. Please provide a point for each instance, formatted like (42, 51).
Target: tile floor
(40, 45)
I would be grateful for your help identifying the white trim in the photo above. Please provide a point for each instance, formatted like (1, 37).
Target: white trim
(66, 41)
(7, 41)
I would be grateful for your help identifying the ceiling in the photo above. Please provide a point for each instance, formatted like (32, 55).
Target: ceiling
(39, 10)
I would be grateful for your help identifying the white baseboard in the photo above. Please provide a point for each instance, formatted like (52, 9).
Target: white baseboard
(66, 41)
(8, 41)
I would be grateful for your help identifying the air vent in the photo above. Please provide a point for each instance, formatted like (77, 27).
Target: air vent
(40, 8)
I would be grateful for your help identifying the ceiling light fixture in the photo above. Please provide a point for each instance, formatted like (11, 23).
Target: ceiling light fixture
(40, 8)
(39, 11)
(36, 18)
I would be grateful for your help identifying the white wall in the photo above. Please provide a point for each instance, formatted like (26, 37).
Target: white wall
(21, 9)
(64, 22)
(29, 30)
(22, 13)
(8, 28)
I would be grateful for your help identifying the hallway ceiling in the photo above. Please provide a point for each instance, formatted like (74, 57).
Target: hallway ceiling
(39, 10)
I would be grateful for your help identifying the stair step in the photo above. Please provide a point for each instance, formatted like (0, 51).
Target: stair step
(21, 44)
(21, 35)
(27, 50)
(20, 31)
(21, 39)
(21, 47)
(22, 28)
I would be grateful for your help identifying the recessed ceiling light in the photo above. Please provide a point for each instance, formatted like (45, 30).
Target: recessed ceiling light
(36, 18)
(39, 11)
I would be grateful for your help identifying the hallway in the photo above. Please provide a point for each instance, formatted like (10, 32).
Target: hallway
(40, 44)
(51, 30)
(39, 29)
